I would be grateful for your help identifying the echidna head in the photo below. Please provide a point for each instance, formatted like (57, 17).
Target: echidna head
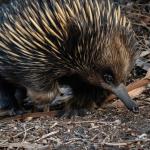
(112, 64)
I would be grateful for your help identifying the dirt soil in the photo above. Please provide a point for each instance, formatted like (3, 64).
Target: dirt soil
(108, 128)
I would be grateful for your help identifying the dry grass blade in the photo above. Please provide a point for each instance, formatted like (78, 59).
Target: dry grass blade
(24, 146)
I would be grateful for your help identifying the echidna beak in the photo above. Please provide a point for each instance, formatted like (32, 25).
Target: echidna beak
(121, 92)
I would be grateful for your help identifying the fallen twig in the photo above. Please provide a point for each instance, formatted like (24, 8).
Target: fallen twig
(24, 145)
(47, 135)
(126, 143)
(28, 115)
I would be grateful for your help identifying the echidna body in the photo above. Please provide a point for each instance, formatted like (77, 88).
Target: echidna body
(86, 44)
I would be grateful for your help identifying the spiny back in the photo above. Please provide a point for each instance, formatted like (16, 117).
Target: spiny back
(69, 33)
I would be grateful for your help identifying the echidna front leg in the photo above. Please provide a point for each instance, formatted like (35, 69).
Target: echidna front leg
(85, 99)
(74, 107)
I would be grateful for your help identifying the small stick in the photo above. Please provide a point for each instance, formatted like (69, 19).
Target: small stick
(24, 146)
(33, 115)
(47, 135)
(126, 143)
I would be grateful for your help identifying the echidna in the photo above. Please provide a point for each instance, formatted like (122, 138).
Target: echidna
(86, 44)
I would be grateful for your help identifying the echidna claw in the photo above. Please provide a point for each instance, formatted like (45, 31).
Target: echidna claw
(134, 108)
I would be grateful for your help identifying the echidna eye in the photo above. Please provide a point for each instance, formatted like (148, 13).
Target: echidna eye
(108, 78)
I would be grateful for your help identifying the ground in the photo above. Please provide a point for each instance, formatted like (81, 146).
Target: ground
(112, 127)
(108, 128)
